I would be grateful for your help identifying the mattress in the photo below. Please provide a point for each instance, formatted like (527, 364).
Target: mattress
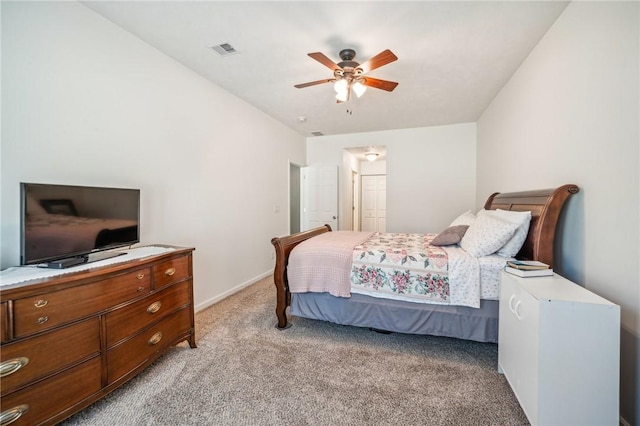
(393, 266)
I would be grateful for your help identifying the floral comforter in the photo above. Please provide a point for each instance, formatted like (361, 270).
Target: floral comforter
(407, 267)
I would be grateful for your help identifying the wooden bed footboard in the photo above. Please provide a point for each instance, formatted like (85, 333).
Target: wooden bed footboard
(283, 247)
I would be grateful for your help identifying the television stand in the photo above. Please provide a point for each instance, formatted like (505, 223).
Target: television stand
(64, 263)
(80, 260)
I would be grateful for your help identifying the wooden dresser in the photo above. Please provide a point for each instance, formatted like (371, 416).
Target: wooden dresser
(68, 341)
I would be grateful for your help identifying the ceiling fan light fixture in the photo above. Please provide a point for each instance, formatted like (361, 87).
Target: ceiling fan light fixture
(371, 155)
(349, 74)
(342, 89)
(359, 88)
(341, 86)
(343, 96)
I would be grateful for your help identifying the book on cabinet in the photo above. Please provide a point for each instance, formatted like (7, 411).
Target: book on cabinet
(530, 272)
(527, 265)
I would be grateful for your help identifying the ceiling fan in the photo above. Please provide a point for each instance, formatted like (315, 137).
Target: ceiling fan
(348, 74)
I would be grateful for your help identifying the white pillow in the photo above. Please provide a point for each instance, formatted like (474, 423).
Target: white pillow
(486, 235)
(466, 218)
(522, 219)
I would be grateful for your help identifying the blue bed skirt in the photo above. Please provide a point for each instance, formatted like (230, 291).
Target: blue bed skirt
(462, 322)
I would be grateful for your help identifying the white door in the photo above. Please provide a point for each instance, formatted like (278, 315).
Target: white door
(320, 197)
(355, 201)
(374, 203)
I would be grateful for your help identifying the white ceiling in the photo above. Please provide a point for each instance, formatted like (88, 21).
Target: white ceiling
(453, 57)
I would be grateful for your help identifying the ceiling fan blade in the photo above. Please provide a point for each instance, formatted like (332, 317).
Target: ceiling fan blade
(379, 84)
(324, 60)
(382, 58)
(313, 83)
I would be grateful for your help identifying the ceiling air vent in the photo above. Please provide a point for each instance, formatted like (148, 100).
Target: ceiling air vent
(224, 49)
(317, 133)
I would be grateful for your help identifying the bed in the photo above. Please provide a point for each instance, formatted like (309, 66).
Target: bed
(468, 319)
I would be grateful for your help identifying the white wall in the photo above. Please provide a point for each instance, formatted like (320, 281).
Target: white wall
(570, 114)
(84, 102)
(430, 172)
(378, 167)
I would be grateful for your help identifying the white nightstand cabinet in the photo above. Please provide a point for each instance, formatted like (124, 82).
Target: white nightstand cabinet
(559, 348)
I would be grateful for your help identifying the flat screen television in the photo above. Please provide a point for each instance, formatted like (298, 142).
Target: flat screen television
(65, 225)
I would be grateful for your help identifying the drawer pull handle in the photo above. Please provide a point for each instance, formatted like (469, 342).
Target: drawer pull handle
(516, 310)
(140, 289)
(169, 272)
(154, 307)
(155, 339)
(511, 300)
(40, 303)
(42, 320)
(141, 275)
(10, 366)
(12, 414)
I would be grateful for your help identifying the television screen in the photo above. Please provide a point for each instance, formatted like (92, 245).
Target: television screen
(64, 221)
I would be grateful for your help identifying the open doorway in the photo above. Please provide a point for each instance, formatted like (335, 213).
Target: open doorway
(355, 201)
(295, 203)
(364, 188)
(313, 197)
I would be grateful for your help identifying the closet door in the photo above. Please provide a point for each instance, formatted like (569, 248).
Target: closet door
(374, 203)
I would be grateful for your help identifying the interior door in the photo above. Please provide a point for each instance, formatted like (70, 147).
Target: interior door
(320, 196)
(355, 202)
(374, 203)
(295, 194)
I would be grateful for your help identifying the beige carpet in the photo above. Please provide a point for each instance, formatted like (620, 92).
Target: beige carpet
(247, 372)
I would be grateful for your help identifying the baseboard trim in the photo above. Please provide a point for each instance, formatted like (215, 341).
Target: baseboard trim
(200, 306)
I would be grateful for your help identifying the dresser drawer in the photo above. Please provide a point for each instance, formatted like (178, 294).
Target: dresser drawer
(48, 310)
(63, 390)
(30, 359)
(128, 320)
(136, 351)
(171, 271)
(4, 322)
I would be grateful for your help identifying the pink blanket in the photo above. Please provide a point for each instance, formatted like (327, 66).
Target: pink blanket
(323, 263)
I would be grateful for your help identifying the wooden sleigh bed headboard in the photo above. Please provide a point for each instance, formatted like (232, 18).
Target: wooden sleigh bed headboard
(545, 206)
